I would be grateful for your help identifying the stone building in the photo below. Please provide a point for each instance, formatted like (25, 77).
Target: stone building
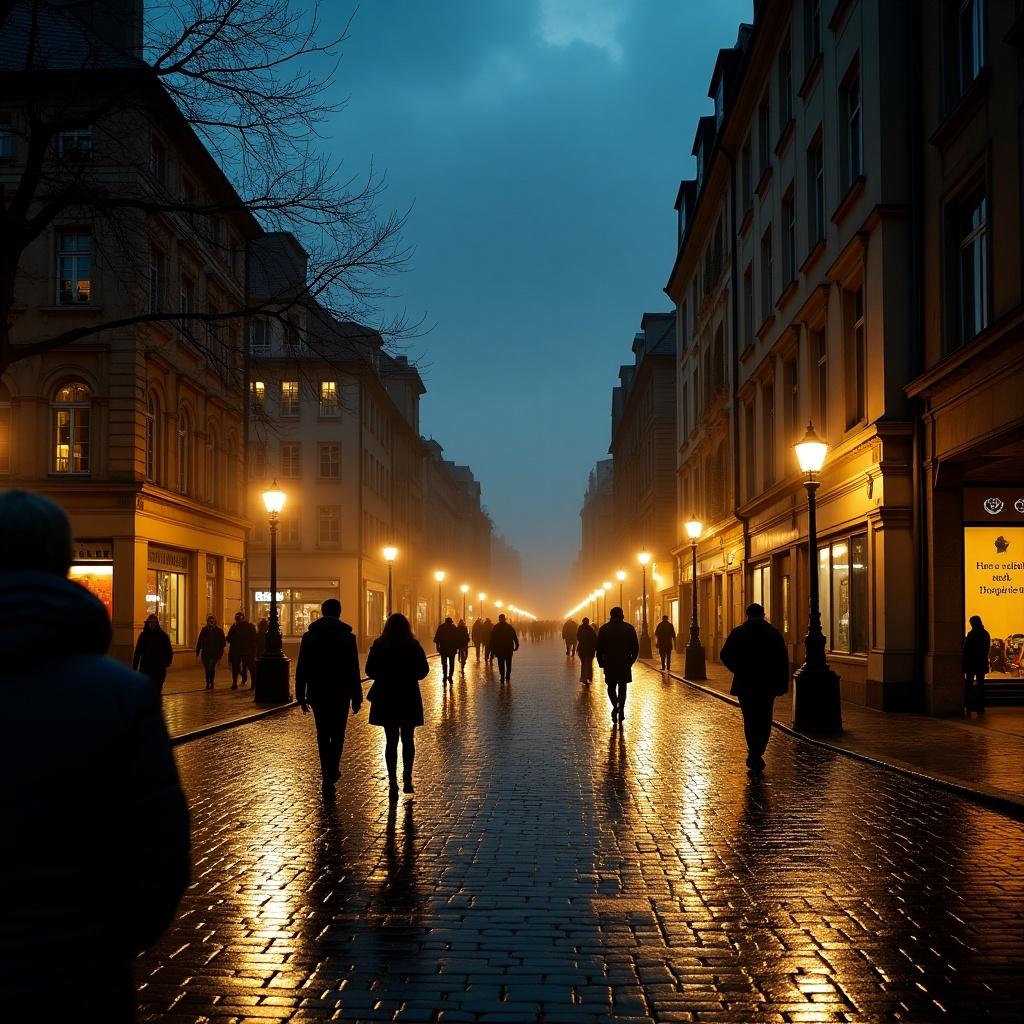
(598, 542)
(137, 430)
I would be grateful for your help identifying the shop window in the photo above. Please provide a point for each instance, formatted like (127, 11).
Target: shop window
(71, 409)
(74, 267)
(165, 597)
(98, 579)
(843, 594)
(761, 588)
(374, 612)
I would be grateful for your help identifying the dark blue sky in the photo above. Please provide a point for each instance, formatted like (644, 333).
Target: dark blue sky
(541, 142)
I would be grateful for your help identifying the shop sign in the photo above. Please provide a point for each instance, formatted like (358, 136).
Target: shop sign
(94, 550)
(165, 558)
(263, 596)
(994, 504)
(994, 577)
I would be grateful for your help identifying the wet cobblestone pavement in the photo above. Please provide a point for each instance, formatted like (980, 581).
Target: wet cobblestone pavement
(552, 867)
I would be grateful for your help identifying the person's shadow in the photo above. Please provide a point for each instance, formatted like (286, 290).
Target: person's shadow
(398, 889)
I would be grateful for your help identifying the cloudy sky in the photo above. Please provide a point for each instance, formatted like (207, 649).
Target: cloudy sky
(540, 144)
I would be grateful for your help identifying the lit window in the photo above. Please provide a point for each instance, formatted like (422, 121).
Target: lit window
(329, 398)
(289, 398)
(71, 424)
(74, 267)
(843, 593)
(258, 392)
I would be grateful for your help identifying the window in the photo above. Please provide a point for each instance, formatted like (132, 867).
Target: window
(761, 587)
(812, 29)
(768, 438)
(747, 179)
(970, 41)
(791, 384)
(789, 226)
(5, 430)
(74, 145)
(74, 267)
(71, 409)
(258, 460)
(259, 338)
(258, 394)
(767, 275)
(750, 448)
(684, 406)
(6, 136)
(855, 354)
(748, 305)
(785, 86)
(972, 290)
(289, 528)
(764, 128)
(719, 102)
(152, 436)
(156, 279)
(718, 359)
(187, 303)
(816, 191)
(700, 165)
(853, 130)
(329, 398)
(819, 353)
(328, 524)
(183, 452)
(211, 466)
(289, 398)
(330, 462)
(291, 460)
(843, 593)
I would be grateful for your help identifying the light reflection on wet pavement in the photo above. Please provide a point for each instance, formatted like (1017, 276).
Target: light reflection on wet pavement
(554, 868)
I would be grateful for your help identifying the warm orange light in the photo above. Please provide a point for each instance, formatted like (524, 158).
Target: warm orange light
(390, 554)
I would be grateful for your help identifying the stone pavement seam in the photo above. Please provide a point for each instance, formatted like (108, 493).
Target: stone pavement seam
(207, 730)
(996, 800)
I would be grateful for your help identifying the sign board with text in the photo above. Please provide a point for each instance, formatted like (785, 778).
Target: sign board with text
(994, 577)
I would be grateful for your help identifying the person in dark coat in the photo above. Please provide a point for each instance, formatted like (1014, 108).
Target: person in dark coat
(95, 854)
(665, 638)
(396, 664)
(755, 652)
(153, 652)
(327, 678)
(569, 631)
(447, 640)
(476, 634)
(586, 648)
(504, 642)
(974, 664)
(463, 645)
(486, 629)
(617, 648)
(261, 638)
(210, 648)
(242, 639)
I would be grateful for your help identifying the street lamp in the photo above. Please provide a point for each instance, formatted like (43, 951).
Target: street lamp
(439, 576)
(465, 590)
(816, 705)
(481, 596)
(499, 605)
(606, 586)
(694, 666)
(270, 684)
(390, 554)
(620, 576)
(645, 637)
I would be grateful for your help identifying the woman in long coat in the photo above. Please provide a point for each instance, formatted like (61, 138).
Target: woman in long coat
(153, 652)
(396, 663)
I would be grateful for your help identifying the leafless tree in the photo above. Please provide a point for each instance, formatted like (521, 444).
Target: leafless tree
(255, 80)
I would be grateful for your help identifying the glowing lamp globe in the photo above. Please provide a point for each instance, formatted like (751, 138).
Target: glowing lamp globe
(810, 451)
(274, 499)
(693, 527)
(390, 554)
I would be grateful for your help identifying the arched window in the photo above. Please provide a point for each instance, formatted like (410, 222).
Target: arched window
(212, 465)
(70, 417)
(5, 430)
(152, 437)
(183, 451)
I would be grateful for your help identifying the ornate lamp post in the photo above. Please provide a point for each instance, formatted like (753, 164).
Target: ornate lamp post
(620, 576)
(439, 576)
(271, 683)
(816, 705)
(465, 590)
(695, 665)
(482, 597)
(645, 637)
(390, 554)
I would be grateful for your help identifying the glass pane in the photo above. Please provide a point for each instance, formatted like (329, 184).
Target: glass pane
(859, 594)
(840, 597)
(824, 593)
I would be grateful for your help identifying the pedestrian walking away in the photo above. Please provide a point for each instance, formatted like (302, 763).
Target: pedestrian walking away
(95, 853)
(463, 645)
(447, 641)
(974, 664)
(476, 635)
(569, 630)
(504, 643)
(486, 628)
(586, 648)
(756, 654)
(242, 643)
(396, 664)
(153, 652)
(327, 679)
(617, 648)
(210, 648)
(665, 638)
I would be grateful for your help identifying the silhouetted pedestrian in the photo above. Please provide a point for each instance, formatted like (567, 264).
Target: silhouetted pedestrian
(261, 638)
(485, 638)
(95, 852)
(974, 663)
(475, 635)
(617, 648)
(665, 638)
(447, 641)
(242, 641)
(210, 648)
(327, 677)
(153, 652)
(756, 654)
(569, 630)
(396, 663)
(504, 642)
(463, 645)
(586, 648)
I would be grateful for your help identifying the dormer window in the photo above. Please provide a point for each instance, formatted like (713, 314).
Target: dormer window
(700, 165)
(719, 102)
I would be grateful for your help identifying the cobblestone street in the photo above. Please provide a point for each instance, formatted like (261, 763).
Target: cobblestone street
(552, 867)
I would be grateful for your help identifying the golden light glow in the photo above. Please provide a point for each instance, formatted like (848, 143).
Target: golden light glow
(694, 527)
(644, 557)
(499, 604)
(621, 575)
(390, 554)
(606, 586)
(439, 575)
(810, 451)
(482, 596)
(464, 588)
(274, 499)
